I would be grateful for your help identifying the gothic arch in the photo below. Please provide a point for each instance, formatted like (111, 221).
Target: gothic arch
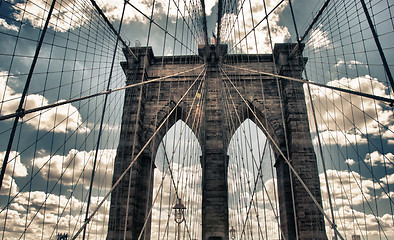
(277, 107)
(265, 121)
(250, 158)
(168, 115)
(180, 169)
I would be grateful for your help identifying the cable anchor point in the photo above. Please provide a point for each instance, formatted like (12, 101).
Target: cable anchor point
(20, 112)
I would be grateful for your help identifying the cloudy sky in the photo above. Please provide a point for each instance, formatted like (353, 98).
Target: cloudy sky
(46, 182)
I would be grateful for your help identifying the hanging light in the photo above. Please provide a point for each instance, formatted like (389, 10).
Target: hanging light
(232, 232)
(179, 209)
(179, 218)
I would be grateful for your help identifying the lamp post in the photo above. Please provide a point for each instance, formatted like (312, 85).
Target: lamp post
(179, 217)
(232, 233)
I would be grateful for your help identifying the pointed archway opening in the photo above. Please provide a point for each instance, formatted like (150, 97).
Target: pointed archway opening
(177, 176)
(253, 200)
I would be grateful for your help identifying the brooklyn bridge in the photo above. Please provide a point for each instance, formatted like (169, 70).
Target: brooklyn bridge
(186, 119)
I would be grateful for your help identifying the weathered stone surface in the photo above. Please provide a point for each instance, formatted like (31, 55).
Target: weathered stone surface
(278, 108)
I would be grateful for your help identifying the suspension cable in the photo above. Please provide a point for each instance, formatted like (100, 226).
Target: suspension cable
(284, 157)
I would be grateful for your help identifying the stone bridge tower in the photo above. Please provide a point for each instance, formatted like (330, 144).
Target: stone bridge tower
(143, 112)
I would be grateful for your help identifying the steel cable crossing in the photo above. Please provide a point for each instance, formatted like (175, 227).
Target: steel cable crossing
(48, 108)
(72, 137)
(385, 160)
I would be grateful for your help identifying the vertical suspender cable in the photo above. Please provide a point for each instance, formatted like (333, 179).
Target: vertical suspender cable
(378, 45)
(156, 122)
(102, 122)
(138, 115)
(316, 125)
(20, 109)
(283, 123)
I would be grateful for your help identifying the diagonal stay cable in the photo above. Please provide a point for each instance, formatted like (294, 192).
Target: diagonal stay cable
(314, 21)
(285, 158)
(169, 165)
(21, 188)
(262, 20)
(349, 141)
(254, 189)
(249, 147)
(254, 161)
(259, 174)
(135, 158)
(359, 184)
(383, 99)
(184, 19)
(236, 18)
(24, 112)
(24, 93)
(52, 189)
(314, 118)
(111, 26)
(10, 99)
(378, 45)
(166, 31)
(102, 121)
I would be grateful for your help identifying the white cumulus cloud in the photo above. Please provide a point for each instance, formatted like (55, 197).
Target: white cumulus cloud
(67, 15)
(338, 138)
(15, 168)
(348, 118)
(377, 159)
(388, 179)
(349, 190)
(350, 161)
(350, 64)
(63, 118)
(4, 24)
(318, 39)
(79, 164)
(261, 43)
(50, 213)
(345, 187)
